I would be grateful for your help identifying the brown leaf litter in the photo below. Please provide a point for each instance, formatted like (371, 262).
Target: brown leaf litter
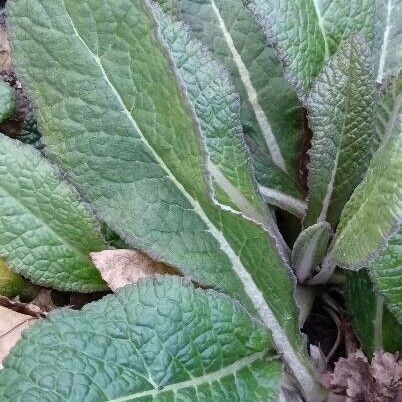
(15, 317)
(122, 267)
(356, 380)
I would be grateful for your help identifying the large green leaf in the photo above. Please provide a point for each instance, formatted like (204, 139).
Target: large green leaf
(388, 41)
(11, 284)
(160, 340)
(386, 272)
(375, 326)
(341, 117)
(217, 108)
(270, 112)
(374, 212)
(46, 234)
(307, 32)
(116, 119)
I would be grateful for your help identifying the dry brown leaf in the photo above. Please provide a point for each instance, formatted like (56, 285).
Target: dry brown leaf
(5, 51)
(23, 308)
(44, 300)
(123, 267)
(386, 370)
(11, 326)
(352, 377)
(356, 380)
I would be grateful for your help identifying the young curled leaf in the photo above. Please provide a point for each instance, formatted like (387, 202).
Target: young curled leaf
(310, 249)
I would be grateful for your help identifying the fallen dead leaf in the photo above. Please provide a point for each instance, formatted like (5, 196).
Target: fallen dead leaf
(123, 267)
(5, 52)
(386, 369)
(23, 308)
(44, 300)
(11, 326)
(356, 380)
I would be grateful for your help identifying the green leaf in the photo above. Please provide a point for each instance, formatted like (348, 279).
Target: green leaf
(115, 117)
(217, 109)
(341, 117)
(386, 272)
(170, 6)
(46, 234)
(30, 133)
(307, 32)
(388, 41)
(374, 212)
(7, 101)
(160, 340)
(11, 284)
(389, 108)
(375, 326)
(310, 249)
(270, 112)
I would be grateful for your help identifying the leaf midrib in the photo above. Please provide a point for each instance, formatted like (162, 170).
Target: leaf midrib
(208, 378)
(286, 201)
(304, 267)
(378, 322)
(320, 20)
(384, 45)
(252, 95)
